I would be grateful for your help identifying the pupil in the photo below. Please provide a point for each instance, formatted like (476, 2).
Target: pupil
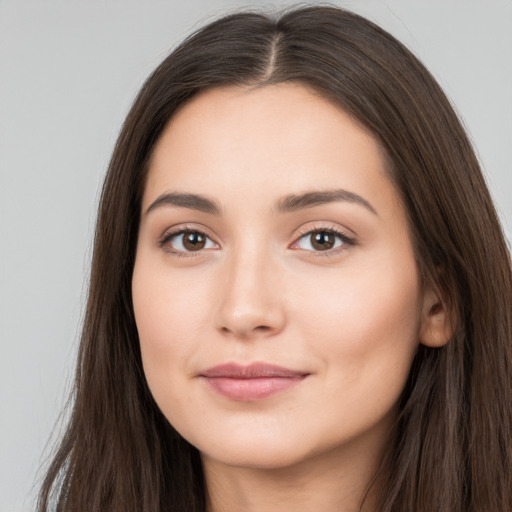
(194, 241)
(323, 240)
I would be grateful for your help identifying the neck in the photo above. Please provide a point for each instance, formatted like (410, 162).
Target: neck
(336, 482)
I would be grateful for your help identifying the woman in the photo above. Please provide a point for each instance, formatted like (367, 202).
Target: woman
(300, 294)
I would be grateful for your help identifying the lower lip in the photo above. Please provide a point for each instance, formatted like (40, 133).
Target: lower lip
(251, 389)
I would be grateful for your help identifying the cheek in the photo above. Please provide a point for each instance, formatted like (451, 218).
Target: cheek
(173, 317)
(366, 321)
(169, 311)
(370, 313)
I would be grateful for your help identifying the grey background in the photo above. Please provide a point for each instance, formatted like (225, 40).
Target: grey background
(68, 73)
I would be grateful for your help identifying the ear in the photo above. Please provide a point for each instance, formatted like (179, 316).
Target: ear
(437, 322)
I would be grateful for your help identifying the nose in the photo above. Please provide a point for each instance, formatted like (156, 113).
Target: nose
(251, 301)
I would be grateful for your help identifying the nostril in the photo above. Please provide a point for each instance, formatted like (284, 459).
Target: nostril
(243, 332)
(251, 316)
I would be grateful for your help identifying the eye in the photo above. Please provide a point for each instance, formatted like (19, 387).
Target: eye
(186, 241)
(323, 240)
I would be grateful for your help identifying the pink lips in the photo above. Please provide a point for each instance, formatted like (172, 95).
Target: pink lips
(253, 382)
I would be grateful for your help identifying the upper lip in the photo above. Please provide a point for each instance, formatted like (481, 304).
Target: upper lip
(251, 371)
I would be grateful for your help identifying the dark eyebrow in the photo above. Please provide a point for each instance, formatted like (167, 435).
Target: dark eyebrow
(192, 201)
(295, 202)
(286, 204)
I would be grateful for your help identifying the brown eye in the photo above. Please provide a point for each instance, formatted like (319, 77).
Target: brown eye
(187, 241)
(322, 240)
(194, 241)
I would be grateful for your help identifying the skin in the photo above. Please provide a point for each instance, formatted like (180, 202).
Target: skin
(350, 317)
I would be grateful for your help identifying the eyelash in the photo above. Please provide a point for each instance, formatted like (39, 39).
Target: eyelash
(170, 235)
(346, 240)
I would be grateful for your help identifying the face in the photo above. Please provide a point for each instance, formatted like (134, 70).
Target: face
(275, 289)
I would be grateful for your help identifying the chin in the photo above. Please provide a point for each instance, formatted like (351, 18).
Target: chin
(251, 450)
(253, 456)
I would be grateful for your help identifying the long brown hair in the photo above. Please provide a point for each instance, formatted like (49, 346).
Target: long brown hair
(452, 449)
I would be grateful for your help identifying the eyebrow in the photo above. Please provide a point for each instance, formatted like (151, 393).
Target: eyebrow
(191, 201)
(295, 202)
(287, 204)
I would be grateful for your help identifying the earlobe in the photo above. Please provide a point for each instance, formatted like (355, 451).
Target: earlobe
(437, 323)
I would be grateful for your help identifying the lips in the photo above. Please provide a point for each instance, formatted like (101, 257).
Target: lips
(253, 382)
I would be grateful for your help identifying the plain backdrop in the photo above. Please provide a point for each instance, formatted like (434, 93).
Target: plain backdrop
(69, 71)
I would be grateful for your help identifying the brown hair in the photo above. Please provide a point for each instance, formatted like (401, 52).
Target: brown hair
(452, 451)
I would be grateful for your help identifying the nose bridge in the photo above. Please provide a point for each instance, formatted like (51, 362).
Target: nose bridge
(249, 301)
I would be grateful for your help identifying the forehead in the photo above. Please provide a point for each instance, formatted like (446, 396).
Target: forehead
(266, 142)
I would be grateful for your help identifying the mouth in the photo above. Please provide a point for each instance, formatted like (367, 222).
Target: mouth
(253, 382)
